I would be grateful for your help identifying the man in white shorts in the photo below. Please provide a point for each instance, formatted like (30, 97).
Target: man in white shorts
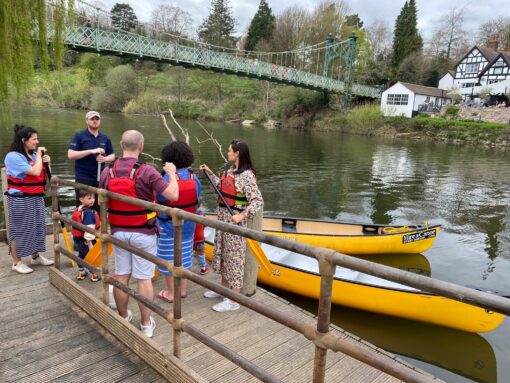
(135, 225)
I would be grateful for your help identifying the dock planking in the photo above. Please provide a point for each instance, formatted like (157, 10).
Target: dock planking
(48, 338)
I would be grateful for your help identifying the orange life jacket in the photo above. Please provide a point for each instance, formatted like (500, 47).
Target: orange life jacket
(123, 214)
(234, 199)
(187, 197)
(30, 185)
(78, 217)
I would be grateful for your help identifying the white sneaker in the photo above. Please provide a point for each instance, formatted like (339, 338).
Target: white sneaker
(149, 329)
(226, 305)
(21, 268)
(211, 294)
(129, 316)
(41, 260)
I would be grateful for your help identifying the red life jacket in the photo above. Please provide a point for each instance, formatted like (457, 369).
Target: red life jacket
(30, 185)
(199, 236)
(234, 199)
(187, 197)
(122, 214)
(78, 217)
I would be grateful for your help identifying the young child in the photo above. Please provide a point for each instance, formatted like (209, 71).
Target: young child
(199, 246)
(84, 241)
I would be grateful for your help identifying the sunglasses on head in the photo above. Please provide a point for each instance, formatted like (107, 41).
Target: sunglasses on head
(95, 118)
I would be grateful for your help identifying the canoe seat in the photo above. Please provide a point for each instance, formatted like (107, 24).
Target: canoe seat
(370, 230)
(289, 225)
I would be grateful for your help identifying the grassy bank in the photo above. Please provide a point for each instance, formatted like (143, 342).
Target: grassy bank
(368, 120)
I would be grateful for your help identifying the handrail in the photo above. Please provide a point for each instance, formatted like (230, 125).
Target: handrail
(319, 334)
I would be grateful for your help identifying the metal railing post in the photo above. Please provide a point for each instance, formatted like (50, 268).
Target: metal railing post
(56, 221)
(177, 223)
(103, 205)
(327, 270)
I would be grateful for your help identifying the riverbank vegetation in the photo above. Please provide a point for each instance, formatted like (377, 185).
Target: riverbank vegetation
(368, 120)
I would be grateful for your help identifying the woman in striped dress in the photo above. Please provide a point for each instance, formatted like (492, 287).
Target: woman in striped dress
(239, 187)
(25, 199)
(181, 155)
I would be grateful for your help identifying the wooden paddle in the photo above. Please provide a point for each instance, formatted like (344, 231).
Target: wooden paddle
(254, 246)
(64, 229)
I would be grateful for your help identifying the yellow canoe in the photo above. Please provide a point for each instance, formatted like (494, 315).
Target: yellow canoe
(354, 239)
(299, 274)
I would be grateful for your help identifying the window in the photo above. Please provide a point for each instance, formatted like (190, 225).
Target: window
(468, 84)
(493, 81)
(397, 99)
(472, 68)
(498, 70)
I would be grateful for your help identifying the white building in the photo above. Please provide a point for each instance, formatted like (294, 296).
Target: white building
(405, 99)
(481, 69)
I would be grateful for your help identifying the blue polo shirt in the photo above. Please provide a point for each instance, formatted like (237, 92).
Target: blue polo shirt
(86, 168)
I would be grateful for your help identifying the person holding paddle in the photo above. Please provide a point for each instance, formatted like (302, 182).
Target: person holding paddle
(26, 180)
(238, 186)
(90, 149)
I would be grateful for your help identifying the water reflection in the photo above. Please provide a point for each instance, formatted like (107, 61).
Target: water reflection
(466, 354)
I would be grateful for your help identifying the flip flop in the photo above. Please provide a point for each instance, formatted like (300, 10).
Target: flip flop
(163, 298)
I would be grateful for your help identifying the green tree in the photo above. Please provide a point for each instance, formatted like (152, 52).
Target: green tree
(261, 26)
(123, 17)
(406, 38)
(218, 27)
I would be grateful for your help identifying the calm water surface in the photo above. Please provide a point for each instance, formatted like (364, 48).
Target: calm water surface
(361, 179)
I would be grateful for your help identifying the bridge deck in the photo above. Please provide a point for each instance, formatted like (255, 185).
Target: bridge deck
(48, 338)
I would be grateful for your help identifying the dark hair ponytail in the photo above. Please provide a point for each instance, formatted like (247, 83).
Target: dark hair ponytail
(21, 133)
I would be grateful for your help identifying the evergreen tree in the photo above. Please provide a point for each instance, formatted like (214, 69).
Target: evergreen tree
(261, 26)
(406, 38)
(123, 17)
(218, 27)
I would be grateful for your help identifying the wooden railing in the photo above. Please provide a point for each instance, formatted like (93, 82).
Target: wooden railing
(328, 259)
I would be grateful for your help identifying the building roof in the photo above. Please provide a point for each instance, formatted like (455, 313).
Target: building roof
(488, 53)
(425, 90)
(504, 55)
(452, 73)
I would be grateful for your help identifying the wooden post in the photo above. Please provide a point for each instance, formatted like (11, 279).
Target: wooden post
(4, 197)
(251, 266)
(56, 222)
(103, 205)
(177, 223)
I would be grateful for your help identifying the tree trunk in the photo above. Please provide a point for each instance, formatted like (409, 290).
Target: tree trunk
(251, 267)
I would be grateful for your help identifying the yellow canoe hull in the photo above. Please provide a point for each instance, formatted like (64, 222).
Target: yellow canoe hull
(351, 238)
(412, 305)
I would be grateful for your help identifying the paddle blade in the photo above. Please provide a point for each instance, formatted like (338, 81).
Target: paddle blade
(260, 256)
(68, 243)
(94, 255)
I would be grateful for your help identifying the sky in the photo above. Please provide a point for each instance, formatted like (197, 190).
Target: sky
(429, 11)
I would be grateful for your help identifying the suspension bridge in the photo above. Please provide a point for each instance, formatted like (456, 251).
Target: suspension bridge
(325, 67)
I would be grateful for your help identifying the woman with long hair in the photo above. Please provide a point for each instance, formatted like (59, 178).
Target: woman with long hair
(181, 155)
(239, 187)
(26, 179)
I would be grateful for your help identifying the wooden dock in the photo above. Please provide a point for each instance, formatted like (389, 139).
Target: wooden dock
(46, 337)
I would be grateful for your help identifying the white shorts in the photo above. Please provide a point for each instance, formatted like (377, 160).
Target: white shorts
(128, 263)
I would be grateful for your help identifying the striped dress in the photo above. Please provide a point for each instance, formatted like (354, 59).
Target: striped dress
(26, 218)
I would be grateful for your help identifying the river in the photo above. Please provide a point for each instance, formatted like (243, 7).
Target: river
(359, 179)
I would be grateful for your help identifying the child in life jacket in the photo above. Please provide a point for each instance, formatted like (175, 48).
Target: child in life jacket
(199, 245)
(86, 215)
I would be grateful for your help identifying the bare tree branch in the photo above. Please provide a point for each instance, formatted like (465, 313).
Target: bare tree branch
(154, 159)
(167, 128)
(183, 131)
(214, 140)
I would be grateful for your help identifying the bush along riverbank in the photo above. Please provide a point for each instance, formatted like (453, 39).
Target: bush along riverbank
(368, 120)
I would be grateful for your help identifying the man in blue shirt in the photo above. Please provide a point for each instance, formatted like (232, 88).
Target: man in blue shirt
(90, 149)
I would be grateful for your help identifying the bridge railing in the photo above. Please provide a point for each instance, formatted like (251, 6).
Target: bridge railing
(123, 43)
(319, 333)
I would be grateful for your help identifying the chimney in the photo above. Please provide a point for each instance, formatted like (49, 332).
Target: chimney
(493, 42)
